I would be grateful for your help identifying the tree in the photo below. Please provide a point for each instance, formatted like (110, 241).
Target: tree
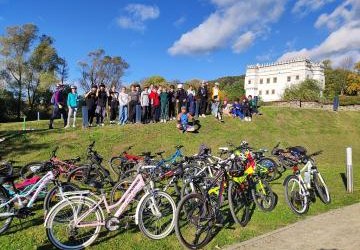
(346, 65)
(353, 81)
(308, 90)
(100, 68)
(154, 80)
(14, 48)
(62, 70)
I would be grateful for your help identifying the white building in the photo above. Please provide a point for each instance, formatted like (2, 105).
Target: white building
(269, 81)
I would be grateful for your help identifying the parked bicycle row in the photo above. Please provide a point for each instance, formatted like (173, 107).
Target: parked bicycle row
(185, 194)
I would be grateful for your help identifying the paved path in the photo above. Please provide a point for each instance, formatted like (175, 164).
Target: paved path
(337, 229)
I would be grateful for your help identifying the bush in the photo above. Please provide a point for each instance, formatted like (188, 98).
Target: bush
(308, 90)
(349, 100)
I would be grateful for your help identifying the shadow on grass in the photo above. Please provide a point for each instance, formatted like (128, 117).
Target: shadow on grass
(344, 179)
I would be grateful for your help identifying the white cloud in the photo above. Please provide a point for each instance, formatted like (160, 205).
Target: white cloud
(180, 21)
(230, 19)
(304, 7)
(243, 42)
(136, 16)
(343, 40)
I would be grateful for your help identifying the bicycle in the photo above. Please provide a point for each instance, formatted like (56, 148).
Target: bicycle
(86, 213)
(18, 203)
(124, 162)
(300, 189)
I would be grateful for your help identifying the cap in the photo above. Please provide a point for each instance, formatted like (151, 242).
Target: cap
(217, 84)
(179, 86)
(73, 87)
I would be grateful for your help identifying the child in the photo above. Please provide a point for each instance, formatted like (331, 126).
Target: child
(236, 110)
(72, 103)
(91, 99)
(113, 104)
(123, 110)
(155, 104)
(145, 105)
(172, 103)
(102, 95)
(164, 103)
(226, 108)
(183, 121)
(191, 100)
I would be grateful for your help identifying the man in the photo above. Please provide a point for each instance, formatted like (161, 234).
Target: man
(72, 103)
(164, 104)
(91, 99)
(138, 106)
(123, 110)
(58, 101)
(203, 95)
(102, 95)
(181, 97)
(183, 121)
(144, 102)
(172, 103)
(113, 104)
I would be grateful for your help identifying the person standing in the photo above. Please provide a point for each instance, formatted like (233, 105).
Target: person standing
(134, 99)
(144, 102)
(191, 100)
(72, 103)
(155, 104)
(123, 110)
(58, 101)
(102, 95)
(172, 103)
(164, 103)
(91, 99)
(181, 97)
(203, 95)
(138, 105)
(216, 102)
(113, 103)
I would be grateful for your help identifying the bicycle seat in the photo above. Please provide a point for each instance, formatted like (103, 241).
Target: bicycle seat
(96, 184)
(160, 153)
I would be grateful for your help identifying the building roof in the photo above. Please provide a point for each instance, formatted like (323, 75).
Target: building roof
(307, 60)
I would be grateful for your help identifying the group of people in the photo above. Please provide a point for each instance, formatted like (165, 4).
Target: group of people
(148, 105)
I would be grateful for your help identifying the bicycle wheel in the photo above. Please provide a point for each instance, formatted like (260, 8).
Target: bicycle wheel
(67, 235)
(194, 221)
(120, 165)
(81, 177)
(52, 198)
(157, 215)
(238, 204)
(5, 221)
(321, 188)
(271, 166)
(31, 169)
(129, 174)
(263, 196)
(295, 195)
(188, 188)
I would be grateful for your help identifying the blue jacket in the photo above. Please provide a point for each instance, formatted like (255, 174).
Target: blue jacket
(72, 100)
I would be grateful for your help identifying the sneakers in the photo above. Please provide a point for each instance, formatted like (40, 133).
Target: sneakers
(73, 126)
(67, 126)
(102, 124)
(203, 115)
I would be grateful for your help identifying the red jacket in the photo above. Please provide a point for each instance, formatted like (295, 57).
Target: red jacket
(154, 99)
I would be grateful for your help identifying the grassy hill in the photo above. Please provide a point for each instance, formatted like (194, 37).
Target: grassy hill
(314, 129)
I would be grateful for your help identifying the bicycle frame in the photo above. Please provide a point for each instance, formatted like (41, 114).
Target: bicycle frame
(136, 186)
(37, 187)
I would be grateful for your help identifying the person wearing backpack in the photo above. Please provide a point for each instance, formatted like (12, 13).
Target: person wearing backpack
(58, 102)
(72, 103)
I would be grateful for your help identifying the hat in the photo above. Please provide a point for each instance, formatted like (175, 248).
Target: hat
(217, 84)
(73, 87)
(179, 86)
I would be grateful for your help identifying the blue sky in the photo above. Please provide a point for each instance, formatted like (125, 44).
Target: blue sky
(186, 39)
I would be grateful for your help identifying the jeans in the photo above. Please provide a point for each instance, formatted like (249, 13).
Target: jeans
(91, 114)
(58, 112)
(123, 114)
(164, 111)
(71, 112)
(138, 113)
(197, 108)
(113, 111)
(100, 114)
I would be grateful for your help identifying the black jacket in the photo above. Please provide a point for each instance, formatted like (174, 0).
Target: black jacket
(203, 93)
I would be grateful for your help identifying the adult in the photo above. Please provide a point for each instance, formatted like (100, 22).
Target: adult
(253, 105)
(172, 102)
(183, 121)
(203, 95)
(181, 97)
(102, 95)
(215, 109)
(145, 105)
(138, 105)
(58, 102)
(72, 103)
(113, 104)
(191, 100)
(123, 106)
(164, 105)
(133, 101)
(155, 104)
(91, 99)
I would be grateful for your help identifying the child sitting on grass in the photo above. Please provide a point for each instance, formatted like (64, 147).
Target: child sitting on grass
(183, 121)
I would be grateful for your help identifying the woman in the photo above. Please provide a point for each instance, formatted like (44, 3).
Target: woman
(72, 103)
(123, 110)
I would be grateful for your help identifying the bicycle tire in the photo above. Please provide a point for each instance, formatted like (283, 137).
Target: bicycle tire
(269, 196)
(78, 175)
(321, 188)
(27, 171)
(144, 206)
(295, 196)
(235, 204)
(5, 224)
(51, 220)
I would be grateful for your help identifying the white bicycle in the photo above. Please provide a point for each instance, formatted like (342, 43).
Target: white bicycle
(303, 184)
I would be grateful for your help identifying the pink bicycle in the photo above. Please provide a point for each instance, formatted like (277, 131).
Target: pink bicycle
(155, 214)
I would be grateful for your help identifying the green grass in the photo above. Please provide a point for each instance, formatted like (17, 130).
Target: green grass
(314, 129)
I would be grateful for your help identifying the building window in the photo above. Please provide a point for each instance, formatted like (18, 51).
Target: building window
(261, 81)
(267, 92)
(249, 82)
(268, 80)
(297, 77)
(289, 78)
(273, 91)
(260, 92)
(275, 80)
